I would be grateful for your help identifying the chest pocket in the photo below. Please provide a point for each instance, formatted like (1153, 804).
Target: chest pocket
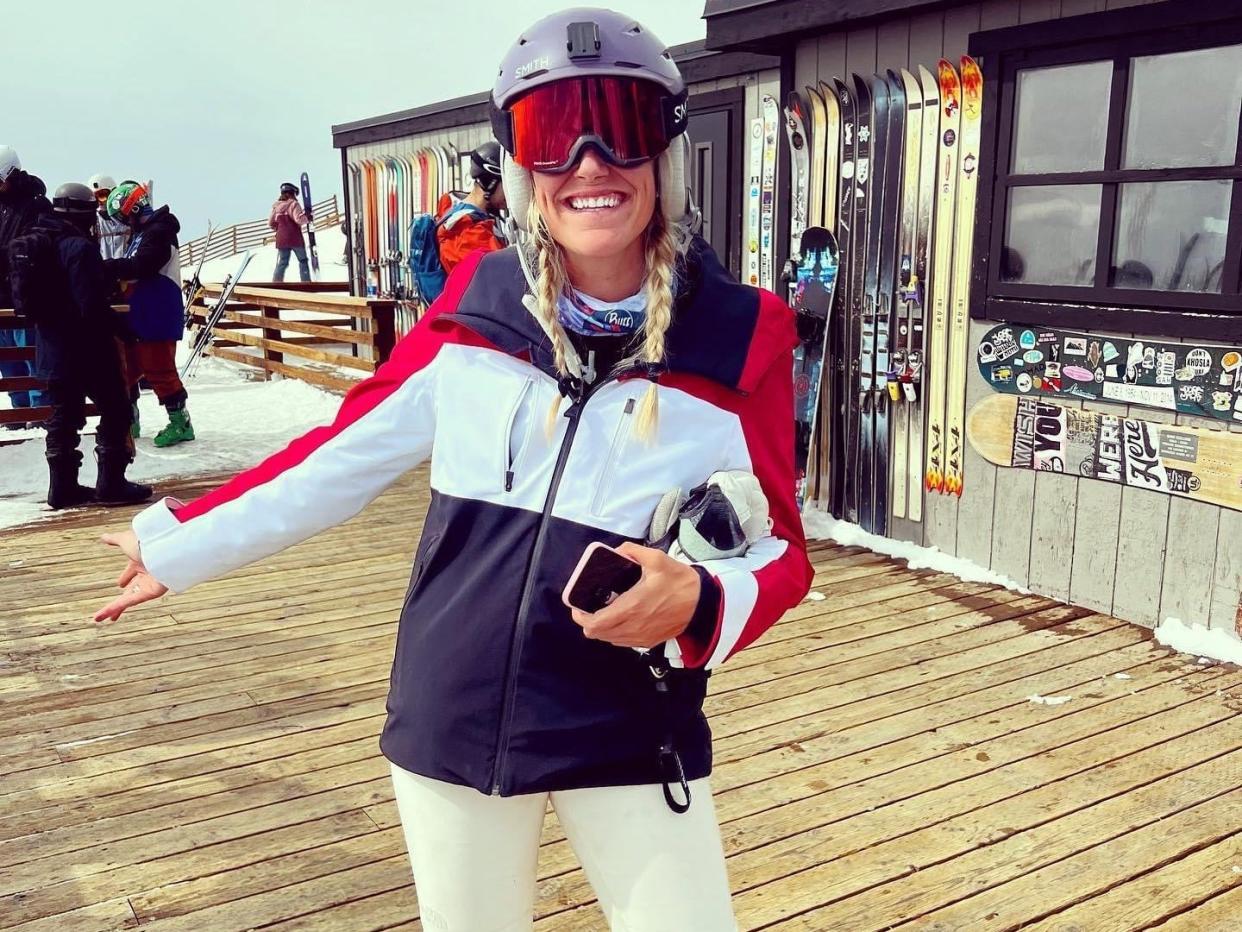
(519, 430)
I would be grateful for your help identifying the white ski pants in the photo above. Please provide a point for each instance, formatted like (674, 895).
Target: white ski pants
(474, 856)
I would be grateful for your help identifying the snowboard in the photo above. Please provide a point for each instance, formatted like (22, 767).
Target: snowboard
(813, 292)
(309, 208)
(1205, 381)
(1032, 433)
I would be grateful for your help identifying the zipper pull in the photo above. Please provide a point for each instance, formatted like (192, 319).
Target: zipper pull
(508, 480)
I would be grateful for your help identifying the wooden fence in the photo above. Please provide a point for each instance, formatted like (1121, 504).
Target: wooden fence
(333, 341)
(229, 241)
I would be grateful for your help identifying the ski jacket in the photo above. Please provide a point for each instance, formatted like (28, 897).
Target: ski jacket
(461, 230)
(23, 203)
(153, 265)
(493, 685)
(85, 323)
(287, 219)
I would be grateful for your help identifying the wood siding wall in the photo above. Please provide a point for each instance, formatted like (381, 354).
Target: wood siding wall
(1139, 555)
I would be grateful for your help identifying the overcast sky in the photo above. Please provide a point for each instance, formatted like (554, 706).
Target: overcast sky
(219, 101)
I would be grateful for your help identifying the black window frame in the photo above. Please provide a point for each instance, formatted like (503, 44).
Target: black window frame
(1118, 36)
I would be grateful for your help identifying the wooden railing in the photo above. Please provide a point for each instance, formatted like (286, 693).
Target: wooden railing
(229, 241)
(257, 330)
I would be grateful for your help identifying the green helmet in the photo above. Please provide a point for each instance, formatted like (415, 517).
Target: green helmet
(128, 201)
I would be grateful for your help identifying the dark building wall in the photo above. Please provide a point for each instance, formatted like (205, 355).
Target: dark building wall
(1140, 555)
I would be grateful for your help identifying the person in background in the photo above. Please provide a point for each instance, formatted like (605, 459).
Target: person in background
(78, 354)
(113, 235)
(464, 225)
(22, 201)
(153, 268)
(287, 219)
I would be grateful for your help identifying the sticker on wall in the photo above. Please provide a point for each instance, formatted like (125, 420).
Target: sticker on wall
(1201, 380)
(1038, 433)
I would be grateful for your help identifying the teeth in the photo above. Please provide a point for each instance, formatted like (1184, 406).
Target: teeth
(593, 203)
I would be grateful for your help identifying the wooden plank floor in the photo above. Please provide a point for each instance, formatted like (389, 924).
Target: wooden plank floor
(211, 763)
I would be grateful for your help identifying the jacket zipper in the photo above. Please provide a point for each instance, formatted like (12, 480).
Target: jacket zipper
(605, 479)
(510, 460)
(515, 647)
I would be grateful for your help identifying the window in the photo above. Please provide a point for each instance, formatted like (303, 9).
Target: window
(1117, 177)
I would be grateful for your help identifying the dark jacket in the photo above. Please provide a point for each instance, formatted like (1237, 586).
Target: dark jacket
(84, 323)
(23, 203)
(494, 686)
(151, 263)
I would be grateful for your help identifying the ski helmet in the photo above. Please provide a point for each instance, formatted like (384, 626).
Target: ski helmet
(485, 165)
(9, 162)
(74, 199)
(589, 76)
(128, 201)
(289, 188)
(102, 182)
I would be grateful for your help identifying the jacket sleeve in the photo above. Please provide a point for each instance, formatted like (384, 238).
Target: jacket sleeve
(151, 255)
(271, 219)
(461, 240)
(384, 427)
(758, 587)
(297, 214)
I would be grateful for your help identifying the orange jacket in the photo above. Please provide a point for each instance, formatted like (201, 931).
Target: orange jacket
(463, 234)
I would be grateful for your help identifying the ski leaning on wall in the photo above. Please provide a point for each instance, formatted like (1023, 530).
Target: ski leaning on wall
(386, 193)
(892, 164)
(754, 201)
(767, 212)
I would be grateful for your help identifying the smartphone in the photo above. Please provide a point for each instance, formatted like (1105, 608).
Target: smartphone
(601, 575)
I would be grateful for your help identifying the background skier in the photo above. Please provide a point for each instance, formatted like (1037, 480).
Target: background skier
(287, 219)
(22, 201)
(470, 223)
(113, 235)
(78, 352)
(151, 272)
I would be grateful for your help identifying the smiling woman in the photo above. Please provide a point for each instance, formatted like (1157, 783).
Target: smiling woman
(658, 370)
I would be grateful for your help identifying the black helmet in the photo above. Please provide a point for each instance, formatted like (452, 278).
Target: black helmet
(289, 188)
(74, 199)
(485, 165)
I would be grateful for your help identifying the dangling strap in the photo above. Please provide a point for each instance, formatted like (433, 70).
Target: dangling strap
(671, 771)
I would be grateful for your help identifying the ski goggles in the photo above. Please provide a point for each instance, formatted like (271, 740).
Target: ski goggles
(629, 120)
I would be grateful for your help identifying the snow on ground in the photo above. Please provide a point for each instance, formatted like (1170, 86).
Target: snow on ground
(332, 267)
(822, 526)
(1200, 641)
(237, 422)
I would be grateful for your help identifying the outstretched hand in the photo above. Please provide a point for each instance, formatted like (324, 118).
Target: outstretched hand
(136, 583)
(658, 608)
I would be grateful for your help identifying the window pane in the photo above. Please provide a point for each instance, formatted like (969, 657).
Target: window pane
(1051, 235)
(1183, 109)
(1061, 118)
(1171, 235)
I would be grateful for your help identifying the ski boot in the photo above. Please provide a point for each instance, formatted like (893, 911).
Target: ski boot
(112, 488)
(179, 428)
(63, 490)
(135, 424)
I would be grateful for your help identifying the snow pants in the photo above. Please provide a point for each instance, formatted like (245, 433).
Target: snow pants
(156, 360)
(77, 367)
(474, 856)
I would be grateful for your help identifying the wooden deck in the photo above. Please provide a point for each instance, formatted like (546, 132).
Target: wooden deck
(211, 763)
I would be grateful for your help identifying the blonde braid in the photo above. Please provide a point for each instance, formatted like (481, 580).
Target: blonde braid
(661, 263)
(550, 281)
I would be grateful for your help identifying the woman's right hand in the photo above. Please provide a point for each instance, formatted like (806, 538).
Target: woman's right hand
(136, 583)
